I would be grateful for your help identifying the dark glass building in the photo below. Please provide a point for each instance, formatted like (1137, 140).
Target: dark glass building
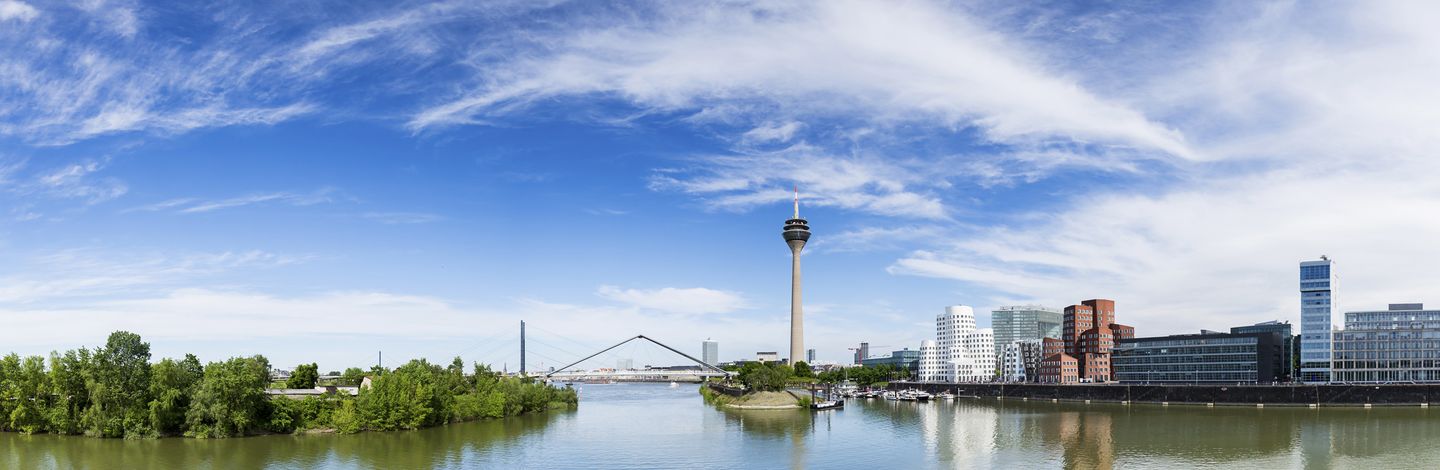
(1286, 373)
(1204, 358)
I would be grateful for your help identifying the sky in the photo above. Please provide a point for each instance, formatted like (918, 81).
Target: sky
(320, 181)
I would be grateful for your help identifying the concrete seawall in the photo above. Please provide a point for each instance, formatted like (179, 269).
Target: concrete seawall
(1243, 395)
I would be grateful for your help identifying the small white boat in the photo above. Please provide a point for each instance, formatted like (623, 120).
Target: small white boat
(827, 405)
(673, 385)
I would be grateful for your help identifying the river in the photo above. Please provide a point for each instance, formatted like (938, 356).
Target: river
(654, 426)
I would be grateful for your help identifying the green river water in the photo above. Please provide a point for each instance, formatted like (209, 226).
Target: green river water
(655, 426)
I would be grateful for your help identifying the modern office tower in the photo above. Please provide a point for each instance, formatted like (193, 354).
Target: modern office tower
(1089, 333)
(1022, 322)
(1209, 357)
(710, 351)
(797, 232)
(809, 356)
(966, 354)
(1317, 318)
(862, 353)
(1399, 344)
(1286, 373)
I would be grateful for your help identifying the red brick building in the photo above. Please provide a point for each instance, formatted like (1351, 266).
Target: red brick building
(1088, 334)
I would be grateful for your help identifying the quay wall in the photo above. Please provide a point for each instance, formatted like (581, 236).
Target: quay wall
(1249, 395)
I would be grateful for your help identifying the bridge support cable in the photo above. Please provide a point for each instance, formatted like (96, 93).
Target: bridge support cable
(646, 338)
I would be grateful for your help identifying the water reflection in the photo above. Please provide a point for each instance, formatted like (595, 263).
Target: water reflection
(652, 426)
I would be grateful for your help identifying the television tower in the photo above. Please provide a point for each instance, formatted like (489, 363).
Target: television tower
(797, 232)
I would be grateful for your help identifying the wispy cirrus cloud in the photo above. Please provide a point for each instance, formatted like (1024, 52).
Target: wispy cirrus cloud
(197, 205)
(873, 184)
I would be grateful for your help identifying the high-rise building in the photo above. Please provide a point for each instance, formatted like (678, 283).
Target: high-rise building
(1088, 332)
(809, 356)
(710, 351)
(862, 353)
(797, 232)
(963, 353)
(1318, 318)
(1399, 344)
(1286, 372)
(1022, 322)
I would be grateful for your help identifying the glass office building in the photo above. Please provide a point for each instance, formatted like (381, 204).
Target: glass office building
(1204, 358)
(1317, 318)
(1400, 344)
(1024, 322)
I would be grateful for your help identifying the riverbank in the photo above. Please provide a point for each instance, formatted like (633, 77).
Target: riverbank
(1231, 395)
(728, 397)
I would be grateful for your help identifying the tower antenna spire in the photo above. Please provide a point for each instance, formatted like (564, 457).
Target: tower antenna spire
(797, 201)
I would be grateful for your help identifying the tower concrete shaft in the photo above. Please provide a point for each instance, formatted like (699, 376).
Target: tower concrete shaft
(797, 312)
(797, 232)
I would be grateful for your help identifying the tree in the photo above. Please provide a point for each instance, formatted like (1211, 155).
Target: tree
(119, 388)
(803, 370)
(305, 376)
(762, 377)
(68, 375)
(172, 383)
(230, 400)
(352, 377)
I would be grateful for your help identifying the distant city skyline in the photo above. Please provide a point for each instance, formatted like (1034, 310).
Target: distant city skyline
(318, 184)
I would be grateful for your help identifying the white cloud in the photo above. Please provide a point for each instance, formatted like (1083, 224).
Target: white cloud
(195, 206)
(17, 10)
(890, 63)
(688, 301)
(87, 273)
(885, 186)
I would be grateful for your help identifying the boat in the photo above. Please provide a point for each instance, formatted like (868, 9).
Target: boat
(946, 395)
(921, 395)
(827, 405)
(673, 385)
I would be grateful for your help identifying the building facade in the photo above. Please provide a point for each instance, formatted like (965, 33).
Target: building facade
(1318, 318)
(1399, 344)
(930, 369)
(1209, 357)
(1020, 360)
(809, 356)
(1024, 322)
(1057, 367)
(710, 351)
(1088, 333)
(908, 359)
(962, 352)
(767, 356)
(1286, 373)
(861, 353)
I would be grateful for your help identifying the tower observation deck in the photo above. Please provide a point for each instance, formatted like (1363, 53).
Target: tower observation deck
(797, 232)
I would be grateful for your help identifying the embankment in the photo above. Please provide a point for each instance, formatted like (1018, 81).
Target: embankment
(1244, 395)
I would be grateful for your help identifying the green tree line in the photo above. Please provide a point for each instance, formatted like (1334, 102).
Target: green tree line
(115, 391)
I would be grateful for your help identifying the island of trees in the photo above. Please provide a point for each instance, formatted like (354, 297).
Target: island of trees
(115, 391)
(767, 385)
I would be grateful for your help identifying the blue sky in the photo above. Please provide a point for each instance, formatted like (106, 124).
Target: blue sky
(324, 180)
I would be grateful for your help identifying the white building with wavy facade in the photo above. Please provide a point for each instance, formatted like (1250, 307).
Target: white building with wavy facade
(961, 352)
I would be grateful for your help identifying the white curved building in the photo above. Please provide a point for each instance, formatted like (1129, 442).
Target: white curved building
(961, 352)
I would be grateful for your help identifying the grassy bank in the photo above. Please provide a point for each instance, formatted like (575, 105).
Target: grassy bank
(756, 400)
